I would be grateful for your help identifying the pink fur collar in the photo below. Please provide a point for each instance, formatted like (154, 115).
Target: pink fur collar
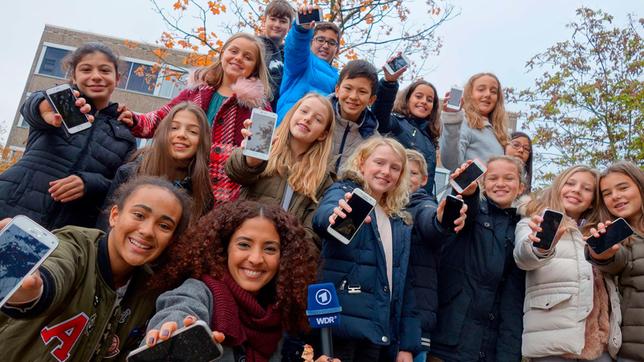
(248, 91)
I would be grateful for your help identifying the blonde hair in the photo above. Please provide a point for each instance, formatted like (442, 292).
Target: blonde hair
(550, 198)
(498, 118)
(392, 202)
(515, 161)
(415, 156)
(213, 74)
(636, 175)
(306, 175)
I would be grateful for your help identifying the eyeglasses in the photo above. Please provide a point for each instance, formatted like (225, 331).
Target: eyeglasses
(517, 146)
(321, 40)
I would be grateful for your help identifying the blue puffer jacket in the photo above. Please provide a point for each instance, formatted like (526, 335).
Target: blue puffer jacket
(370, 311)
(427, 236)
(303, 71)
(480, 289)
(51, 154)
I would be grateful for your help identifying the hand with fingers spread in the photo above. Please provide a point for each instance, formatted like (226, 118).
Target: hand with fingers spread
(472, 187)
(389, 77)
(535, 222)
(52, 118)
(166, 331)
(342, 209)
(459, 223)
(597, 232)
(67, 189)
(246, 134)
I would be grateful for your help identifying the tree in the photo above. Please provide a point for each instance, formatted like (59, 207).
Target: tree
(586, 106)
(372, 29)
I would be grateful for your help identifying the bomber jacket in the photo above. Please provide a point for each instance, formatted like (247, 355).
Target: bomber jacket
(371, 311)
(78, 317)
(51, 154)
(275, 64)
(271, 189)
(480, 288)
(628, 264)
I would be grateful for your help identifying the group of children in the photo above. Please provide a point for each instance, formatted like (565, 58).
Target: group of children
(193, 229)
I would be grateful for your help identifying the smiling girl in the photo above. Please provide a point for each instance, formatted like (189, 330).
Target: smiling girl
(370, 273)
(520, 146)
(571, 309)
(228, 90)
(483, 133)
(296, 173)
(62, 178)
(90, 299)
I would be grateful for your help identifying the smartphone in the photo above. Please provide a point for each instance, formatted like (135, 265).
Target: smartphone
(451, 212)
(361, 205)
(63, 100)
(314, 15)
(397, 63)
(472, 173)
(193, 343)
(615, 233)
(24, 245)
(259, 144)
(549, 227)
(455, 96)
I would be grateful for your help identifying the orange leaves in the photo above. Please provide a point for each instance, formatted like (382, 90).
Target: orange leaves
(216, 7)
(167, 40)
(180, 5)
(130, 44)
(161, 53)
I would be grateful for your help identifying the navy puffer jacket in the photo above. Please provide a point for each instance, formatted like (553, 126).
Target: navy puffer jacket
(51, 154)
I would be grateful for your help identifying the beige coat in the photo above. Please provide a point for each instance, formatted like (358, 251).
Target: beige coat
(559, 296)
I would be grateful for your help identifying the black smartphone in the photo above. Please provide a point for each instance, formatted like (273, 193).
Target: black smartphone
(361, 205)
(615, 233)
(397, 64)
(451, 212)
(63, 100)
(549, 227)
(475, 170)
(193, 343)
(314, 15)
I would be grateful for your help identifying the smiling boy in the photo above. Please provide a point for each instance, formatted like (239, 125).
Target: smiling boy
(277, 19)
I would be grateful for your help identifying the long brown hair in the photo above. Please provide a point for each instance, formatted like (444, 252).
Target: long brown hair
(157, 161)
(433, 120)
(213, 74)
(636, 175)
(498, 118)
(203, 250)
(306, 175)
(550, 198)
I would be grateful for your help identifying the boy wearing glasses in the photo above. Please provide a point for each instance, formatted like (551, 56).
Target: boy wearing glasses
(309, 51)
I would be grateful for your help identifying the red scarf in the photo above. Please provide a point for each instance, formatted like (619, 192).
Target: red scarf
(244, 322)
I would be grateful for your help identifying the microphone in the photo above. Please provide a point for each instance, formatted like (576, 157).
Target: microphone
(323, 310)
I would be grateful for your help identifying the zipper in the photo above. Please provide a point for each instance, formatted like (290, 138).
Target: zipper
(102, 336)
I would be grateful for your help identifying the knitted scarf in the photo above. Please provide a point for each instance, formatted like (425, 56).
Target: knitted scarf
(243, 321)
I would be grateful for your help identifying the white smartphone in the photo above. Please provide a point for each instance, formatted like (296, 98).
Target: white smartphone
(193, 343)
(260, 142)
(472, 173)
(24, 245)
(63, 100)
(455, 96)
(361, 204)
(397, 63)
(314, 15)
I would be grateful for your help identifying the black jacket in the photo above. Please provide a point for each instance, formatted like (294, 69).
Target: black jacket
(480, 289)
(275, 64)
(51, 153)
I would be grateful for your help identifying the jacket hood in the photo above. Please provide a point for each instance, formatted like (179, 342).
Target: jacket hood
(249, 92)
(368, 122)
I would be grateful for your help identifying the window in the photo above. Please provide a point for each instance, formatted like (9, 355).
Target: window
(51, 63)
(172, 83)
(138, 77)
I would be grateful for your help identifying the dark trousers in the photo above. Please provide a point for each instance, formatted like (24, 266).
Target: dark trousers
(347, 350)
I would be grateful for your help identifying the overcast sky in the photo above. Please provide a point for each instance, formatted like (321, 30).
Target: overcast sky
(497, 36)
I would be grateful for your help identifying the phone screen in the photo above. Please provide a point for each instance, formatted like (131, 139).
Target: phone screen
(262, 129)
(307, 18)
(64, 102)
(397, 63)
(452, 211)
(19, 252)
(549, 226)
(455, 95)
(615, 233)
(193, 344)
(348, 226)
(471, 173)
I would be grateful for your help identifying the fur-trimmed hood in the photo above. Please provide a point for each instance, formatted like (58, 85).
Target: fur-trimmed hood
(249, 92)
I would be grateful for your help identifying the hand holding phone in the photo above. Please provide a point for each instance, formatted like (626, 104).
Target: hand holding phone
(348, 217)
(67, 106)
(546, 236)
(609, 234)
(463, 178)
(259, 142)
(307, 16)
(395, 67)
(451, 211)
(453, 99)
(24, 246)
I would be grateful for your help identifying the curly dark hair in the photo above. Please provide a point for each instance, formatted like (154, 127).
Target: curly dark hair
(202, 250)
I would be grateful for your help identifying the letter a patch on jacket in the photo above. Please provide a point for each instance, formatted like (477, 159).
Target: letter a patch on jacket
(67, 332)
